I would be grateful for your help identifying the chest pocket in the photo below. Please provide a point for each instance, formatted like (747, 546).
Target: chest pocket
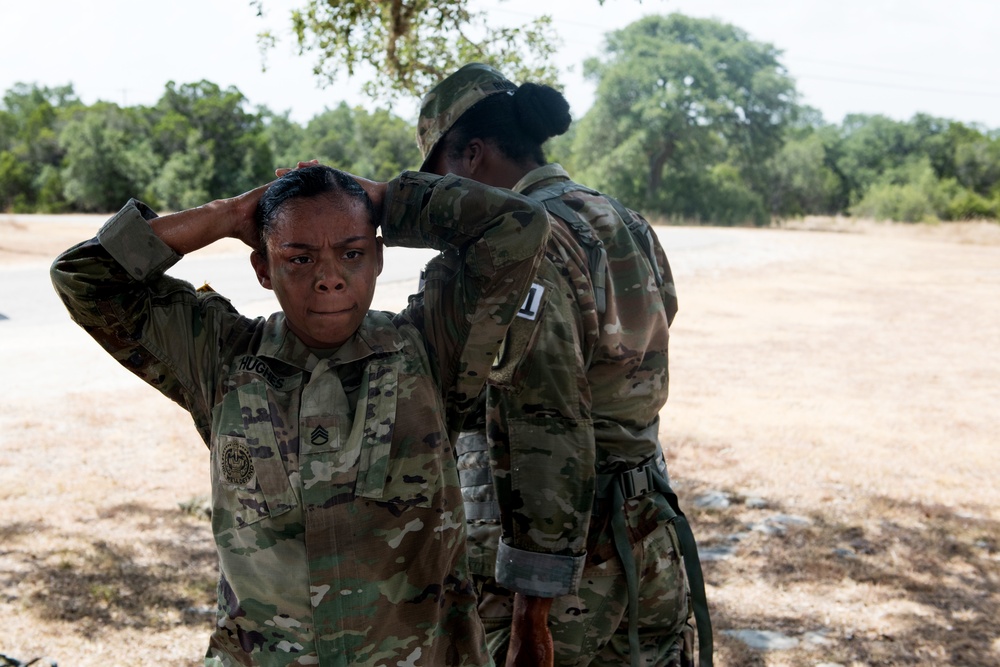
(400, 453)
(249, 481)
(362, 457)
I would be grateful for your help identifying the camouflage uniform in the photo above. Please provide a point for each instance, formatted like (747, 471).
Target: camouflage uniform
(562, 470)
(337, 511)
(575, 401)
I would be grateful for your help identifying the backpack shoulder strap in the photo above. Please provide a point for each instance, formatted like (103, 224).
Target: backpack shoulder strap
(550, 197)
(642, 234)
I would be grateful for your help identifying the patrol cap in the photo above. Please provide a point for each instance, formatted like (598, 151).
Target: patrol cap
(447, 101)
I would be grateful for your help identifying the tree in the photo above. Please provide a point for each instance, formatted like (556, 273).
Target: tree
(185, 179)
(108, 157)
(800, 181)
(285, 137)
(870, 146)
(376, 145)
(911, 192)
(388, 143)
(676, 96)
(30, 123)
(413, 44)
(977, 160)
(212, 123)
(15, 182)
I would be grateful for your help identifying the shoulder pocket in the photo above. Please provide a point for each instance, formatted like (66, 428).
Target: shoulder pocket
(521, 335)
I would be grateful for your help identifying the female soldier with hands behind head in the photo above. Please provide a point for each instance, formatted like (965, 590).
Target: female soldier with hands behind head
(337, 512)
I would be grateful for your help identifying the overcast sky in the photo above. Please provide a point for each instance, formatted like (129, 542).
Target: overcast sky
(894, 57)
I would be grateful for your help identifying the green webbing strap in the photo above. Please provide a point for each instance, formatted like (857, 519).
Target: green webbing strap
(641, 234)
(692, 565)
(624, 549)
(611, 486)
(551, 197)
(597, 255)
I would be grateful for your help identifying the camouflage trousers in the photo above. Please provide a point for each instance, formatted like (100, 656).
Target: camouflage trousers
(591, 627)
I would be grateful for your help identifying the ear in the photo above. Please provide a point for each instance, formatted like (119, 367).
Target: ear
(261, 268)
(378, 250)
(475, 156)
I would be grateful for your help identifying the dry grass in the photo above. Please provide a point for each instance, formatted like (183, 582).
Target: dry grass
(855, 385)
(851, 379)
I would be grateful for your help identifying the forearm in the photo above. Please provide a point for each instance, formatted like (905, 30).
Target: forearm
(112, 286)
(195, 228)
(539, 400)
(492, 241)
(450, 213)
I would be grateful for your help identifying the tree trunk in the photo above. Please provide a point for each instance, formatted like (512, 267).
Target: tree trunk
(656, 163)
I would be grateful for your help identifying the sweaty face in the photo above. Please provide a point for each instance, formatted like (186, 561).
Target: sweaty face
(322, 262)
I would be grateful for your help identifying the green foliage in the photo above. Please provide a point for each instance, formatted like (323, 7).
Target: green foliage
(904, 202)
(214, 122)
(967, 205)
(387, 145)
(910, 192)
(413, 44)
(977, 162)
(185, 179)
(8, 130)
(870, 146)
(30, 121)
(107, 156)
(800, 180)
(924, 169)
(48, 188)
(285, 139)
(729, 200)
(677, 96)
(14, 182)
(560, 149)
(197, 143)
(376, 145)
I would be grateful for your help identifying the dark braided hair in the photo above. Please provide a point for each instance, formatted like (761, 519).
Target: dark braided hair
(301, 184)
(518, 123)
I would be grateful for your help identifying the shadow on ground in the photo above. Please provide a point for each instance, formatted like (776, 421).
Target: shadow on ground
(164, 579)
(925, 581)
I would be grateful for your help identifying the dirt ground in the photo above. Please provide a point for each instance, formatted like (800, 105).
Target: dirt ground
(838, 399)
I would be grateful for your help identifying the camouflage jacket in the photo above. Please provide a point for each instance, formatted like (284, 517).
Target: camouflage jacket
(577, 394)
(337, 512)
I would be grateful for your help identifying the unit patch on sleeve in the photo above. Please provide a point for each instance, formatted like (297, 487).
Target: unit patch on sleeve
(529, 309)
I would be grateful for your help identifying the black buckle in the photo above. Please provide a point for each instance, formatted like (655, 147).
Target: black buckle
(635, 482)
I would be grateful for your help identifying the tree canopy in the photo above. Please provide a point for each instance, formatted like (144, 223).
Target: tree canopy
(686, 110)
(409, 45)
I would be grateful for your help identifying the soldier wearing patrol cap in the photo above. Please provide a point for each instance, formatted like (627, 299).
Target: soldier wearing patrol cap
(577, 542)
(337, 512)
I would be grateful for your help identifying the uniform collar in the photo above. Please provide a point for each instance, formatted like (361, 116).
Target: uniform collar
(377, 336)
(539, 177)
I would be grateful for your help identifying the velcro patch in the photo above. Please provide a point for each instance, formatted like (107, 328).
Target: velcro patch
(532, 302)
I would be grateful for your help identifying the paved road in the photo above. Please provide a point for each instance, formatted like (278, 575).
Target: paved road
(39, 345)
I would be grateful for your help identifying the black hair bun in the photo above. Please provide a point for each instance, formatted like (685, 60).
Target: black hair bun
(542, 111)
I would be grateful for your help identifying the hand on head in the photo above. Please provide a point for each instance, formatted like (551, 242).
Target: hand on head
(375, 189)
(284, 170)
